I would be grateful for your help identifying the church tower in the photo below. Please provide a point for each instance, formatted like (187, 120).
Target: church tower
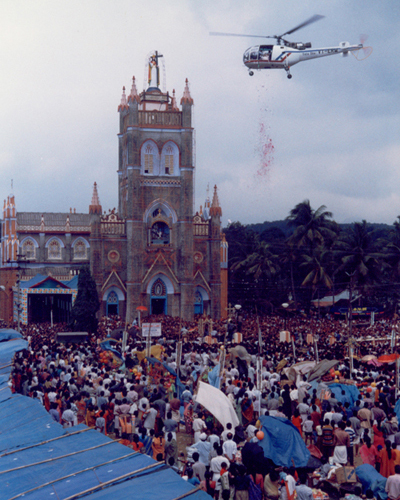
(155, 172)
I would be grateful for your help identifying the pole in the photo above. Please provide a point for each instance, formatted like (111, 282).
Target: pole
(294, 349)
(18, 300)
(316, 338)
(222, 355)
(148, 342)
(397, 377)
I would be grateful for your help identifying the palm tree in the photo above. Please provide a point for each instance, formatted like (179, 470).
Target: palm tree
(312, 227)
(317, 265)
(259, 268)
(261, 263)
(360, 257)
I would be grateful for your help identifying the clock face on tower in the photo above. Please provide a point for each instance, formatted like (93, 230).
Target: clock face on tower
(160, 233)
(113, 256)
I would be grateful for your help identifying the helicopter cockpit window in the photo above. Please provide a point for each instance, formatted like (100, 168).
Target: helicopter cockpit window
(246, 55)
(254, 53)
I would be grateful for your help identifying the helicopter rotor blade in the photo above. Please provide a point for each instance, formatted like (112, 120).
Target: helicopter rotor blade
(311, 20)
(216, 33)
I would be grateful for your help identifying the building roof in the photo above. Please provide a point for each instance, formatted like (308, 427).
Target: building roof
(52, 219)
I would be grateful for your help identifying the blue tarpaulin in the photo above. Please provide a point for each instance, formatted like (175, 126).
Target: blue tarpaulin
(9, 334)
(370, 479)
(397, 409)
(213, 376)
(282, 442)
(351, 393)
(41, 460)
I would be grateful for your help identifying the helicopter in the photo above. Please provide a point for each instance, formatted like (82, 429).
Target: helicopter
(284, 54)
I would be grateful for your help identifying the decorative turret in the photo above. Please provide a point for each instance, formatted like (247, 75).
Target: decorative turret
(95, 207)
(215, 210)
(186, 98)
(174, 106)
(9, 240)
(187, 103)
(124, 105)
(133, 96)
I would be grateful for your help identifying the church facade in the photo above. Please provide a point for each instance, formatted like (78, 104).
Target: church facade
(152, 254)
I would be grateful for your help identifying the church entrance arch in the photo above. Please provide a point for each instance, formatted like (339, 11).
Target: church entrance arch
(158, 297)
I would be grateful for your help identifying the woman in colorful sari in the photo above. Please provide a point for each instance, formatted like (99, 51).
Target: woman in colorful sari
(247, 410)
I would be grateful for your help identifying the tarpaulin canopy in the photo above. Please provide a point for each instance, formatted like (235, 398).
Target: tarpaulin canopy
(282, 442)
(40, 460)
(9, 334)
(295, 372)
(217, 404)
(321, 368)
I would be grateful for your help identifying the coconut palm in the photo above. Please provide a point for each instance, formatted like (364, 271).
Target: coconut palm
(312, 227)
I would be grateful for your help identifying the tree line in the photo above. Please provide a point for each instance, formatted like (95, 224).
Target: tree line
(309, 256)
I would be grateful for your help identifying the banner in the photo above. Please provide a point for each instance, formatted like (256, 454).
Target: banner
(151, 329)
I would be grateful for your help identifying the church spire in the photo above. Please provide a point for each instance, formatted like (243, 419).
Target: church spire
(95, 207)
(124, 104)
(186, 98)
(215, 209)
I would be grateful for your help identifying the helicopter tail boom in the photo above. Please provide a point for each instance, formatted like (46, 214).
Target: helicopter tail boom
(344, 45)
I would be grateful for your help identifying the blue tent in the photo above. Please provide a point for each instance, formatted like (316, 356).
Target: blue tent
(41, 460)
(282, 442)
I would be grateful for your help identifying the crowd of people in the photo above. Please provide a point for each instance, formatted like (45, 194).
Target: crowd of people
(151, 410)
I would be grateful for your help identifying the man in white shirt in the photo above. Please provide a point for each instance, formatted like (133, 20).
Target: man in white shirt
(199, 426)
(392, 487)
(229, 448)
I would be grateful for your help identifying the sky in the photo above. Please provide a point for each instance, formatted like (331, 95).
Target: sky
(330, 134)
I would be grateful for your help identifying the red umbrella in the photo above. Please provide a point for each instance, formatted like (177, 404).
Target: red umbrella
(388, 358)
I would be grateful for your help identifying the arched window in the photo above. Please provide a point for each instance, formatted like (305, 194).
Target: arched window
(112, 304)
(150, 160)
(198, 302)
(54, 250)
(28, 249)
(170, 159)
(80, 251)
(160, 234)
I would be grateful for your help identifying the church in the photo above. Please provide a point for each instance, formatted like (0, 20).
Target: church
(153, 254)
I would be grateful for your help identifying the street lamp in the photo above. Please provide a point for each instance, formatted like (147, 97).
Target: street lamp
(285, 305)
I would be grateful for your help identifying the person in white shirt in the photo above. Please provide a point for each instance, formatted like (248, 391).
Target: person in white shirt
(199, 426)
(229, 448)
